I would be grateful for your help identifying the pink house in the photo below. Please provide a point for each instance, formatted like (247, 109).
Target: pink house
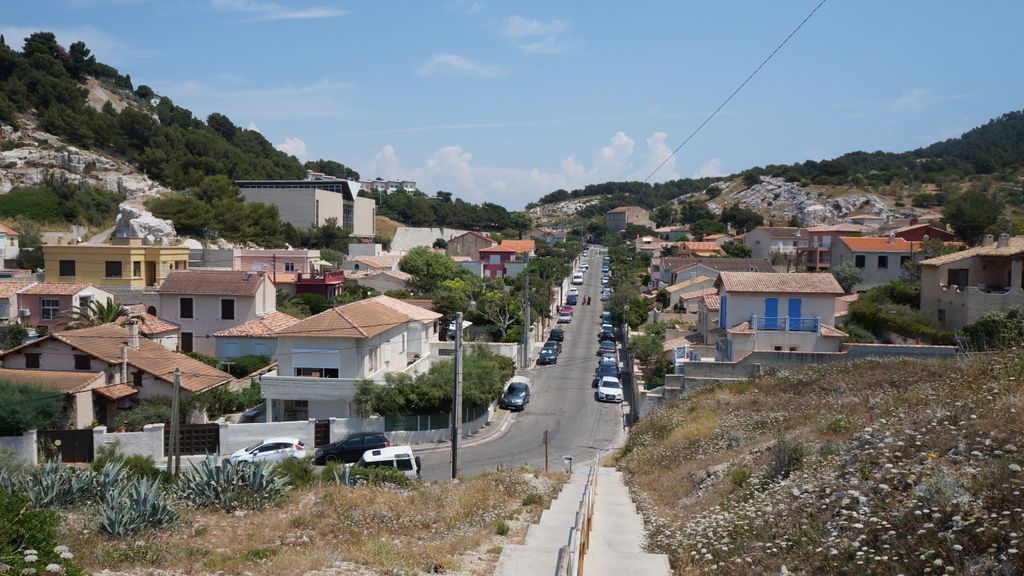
(47, 302)
(279, 261)
(495, 258)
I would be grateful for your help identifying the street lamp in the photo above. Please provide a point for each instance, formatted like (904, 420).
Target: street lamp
(457, 393)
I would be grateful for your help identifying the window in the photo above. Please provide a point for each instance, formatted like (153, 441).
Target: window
(137, 379)
(83, 362)
(404, 335)
(958, 277)
(151, 311)
(375, 359)
(317, 372)
(32, 359)
(49, 308)
(883, 262)
(137, 269)
(66, 267)
(942, 318)
(778, 348)
(227, 309)
(185, 308)
(112, 269)
(289, 266)
(186, 341)
(859, 260)
(792, 348)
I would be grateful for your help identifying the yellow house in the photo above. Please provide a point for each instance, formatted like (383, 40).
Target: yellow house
(125, 262)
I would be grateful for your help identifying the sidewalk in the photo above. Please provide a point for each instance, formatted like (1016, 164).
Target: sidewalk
(499, 425)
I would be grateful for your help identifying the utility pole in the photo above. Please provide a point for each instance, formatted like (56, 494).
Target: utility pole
(526, 322)
(174, 452)
(457, 398)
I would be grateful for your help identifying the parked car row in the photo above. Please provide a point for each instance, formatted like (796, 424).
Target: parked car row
(366, 449)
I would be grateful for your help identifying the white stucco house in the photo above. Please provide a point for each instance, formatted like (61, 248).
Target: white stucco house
(776, 312)
(322, 358)
(257, 337)
(205, 302)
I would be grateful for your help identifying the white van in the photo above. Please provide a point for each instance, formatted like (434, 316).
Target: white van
(397, 457)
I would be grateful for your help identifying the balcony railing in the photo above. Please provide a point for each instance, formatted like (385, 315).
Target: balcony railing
(785, 323)
(327, 277)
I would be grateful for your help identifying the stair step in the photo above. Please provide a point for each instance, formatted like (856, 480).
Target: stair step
(541, 535)
(599, 562)
(517, 560)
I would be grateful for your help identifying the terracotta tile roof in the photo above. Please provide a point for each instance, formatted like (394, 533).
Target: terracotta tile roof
(520, 246)
(8, 289)
(502, 249)
(712, 302)
(377, 261)
(472, 233)
(263, 326)
(831, 331)
(851, 228)
(362, 319)
(879, 244)
(1015, 247)
(681, 264)
(687, 283)
(670, 345)
(216, 282)
(713, 237)
(426, 304)
(106, 342)
(7, 231)
(373, 273)
(848, 297)
(779, 283)
(783, 232)
(741, 328)
(54, 288)
(625, 209)
(701, 247)
(67, 381)
(116, 391)
(150, 325)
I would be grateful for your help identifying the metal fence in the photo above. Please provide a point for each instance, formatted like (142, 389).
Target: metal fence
(423, 422)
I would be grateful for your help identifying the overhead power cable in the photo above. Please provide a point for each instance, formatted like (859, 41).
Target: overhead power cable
(735, 92)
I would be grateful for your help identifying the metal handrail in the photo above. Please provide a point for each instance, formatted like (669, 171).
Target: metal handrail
(570, 556)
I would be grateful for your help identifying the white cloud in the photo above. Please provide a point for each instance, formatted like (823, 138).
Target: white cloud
(268, 11)
(535, 36)
(295, 147)
(451, 168)
(252, 126)
(519, 27)
(658, 152)
(710, 169)
(453, 64)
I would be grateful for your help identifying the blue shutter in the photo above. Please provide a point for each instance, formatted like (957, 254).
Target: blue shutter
(794, 313)
(771, 313)
(722, 315)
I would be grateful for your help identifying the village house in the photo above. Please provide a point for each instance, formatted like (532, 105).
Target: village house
(768, 241)
(673, 233)
(125, 263)
(688, 285)
(958, 288)
(9, 309)
(700, 249)
(9, 249)
(619, 218)
(49, 303)
(322, 358)
(158, 330)
(921, 231)
(381, 280)
(778, 312)
(204, 302)
(506, 259)
(314, 200)
(720, 239)
(257, 337)
(816, 256)
(468, 244)
(649, 244)
(106, 369)
(880, 259)
(675, 269)
(547, 235)
(370, 263)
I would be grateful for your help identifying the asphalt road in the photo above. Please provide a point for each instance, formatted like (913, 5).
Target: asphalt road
(563, 403)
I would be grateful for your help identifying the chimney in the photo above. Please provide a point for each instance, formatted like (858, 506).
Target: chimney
(914, 221)
(133, 334)
(892, 238)
(1004, 240)
(987, 241)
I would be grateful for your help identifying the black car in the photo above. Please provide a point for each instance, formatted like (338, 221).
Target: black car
(350, 448)
(607, 371)
(556, 334)
(516, 397)
(554, 345)
(547, 356)
(604, 335)
(606, 347)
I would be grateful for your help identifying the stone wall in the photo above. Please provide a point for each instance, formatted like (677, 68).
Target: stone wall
(20, 448)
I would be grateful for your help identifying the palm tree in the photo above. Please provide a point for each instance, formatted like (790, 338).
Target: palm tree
(94, 313)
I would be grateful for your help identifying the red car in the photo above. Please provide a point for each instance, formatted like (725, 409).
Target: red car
(565, 310)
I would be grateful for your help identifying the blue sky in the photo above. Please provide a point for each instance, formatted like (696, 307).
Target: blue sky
(506, 101)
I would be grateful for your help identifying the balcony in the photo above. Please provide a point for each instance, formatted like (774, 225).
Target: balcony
(328, 277)
(785, 323)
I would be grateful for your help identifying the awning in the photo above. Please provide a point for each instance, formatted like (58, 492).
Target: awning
(322, 263)
(116, 392)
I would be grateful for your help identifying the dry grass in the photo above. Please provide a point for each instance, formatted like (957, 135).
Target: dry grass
(906, 464)
(431, 528)
(386, 227)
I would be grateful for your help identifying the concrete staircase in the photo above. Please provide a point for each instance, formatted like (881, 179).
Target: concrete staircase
(615, 530)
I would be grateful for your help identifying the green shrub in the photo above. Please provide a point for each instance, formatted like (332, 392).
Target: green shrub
(244, 365)
(298, 472)
(26, 527)
(28, 406)
(40, 204)
(739, 477)
(856, 333)
(501, 527)
(532, 498)
(836, 424)
(209, 360)
(378, 476)
(230, 485)
(222, 400)
(787, 457)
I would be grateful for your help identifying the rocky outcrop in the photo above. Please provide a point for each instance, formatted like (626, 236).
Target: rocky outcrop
(136, 222)
(33, 154)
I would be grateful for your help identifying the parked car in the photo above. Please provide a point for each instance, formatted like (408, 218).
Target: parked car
(574, 292)
(609, 390)
(350, 448)
(270, 450)
(605, 280)
(603, 371)
(567, 309)
(606, 335)
(547, 356)
(556, 334)
(554, 345)
(605, 296)
(516, 396)
(571, 299)
(606, 317)
(577, 279)
(608, 360)
(397, 457)
(606, 347)
(564, 318)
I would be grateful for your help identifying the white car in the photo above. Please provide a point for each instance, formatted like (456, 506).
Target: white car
(397, 457)
(574, 292)
(564, 318)
(271, 450)
(609, 390)
(584, 267)
(577, 279)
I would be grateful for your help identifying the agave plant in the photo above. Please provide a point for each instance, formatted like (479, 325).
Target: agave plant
(230, 485)
(55, 485)
(134, 506)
